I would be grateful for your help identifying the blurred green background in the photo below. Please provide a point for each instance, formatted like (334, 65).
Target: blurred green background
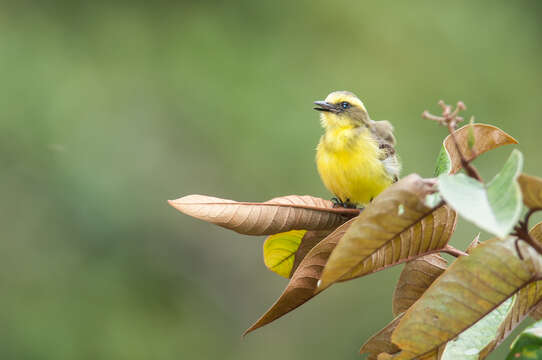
(111, 108)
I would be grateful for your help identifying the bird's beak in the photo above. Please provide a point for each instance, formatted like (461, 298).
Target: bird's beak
(325, 106)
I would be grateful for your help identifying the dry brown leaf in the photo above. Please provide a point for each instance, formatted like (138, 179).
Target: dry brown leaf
(381, 342)
(415, 278)
(531, 189)
(309, 241)
(430, 234)
(472, 287)
(487, 137)
(301, 287)
(271, 217)
(437, 230)
(395, 210)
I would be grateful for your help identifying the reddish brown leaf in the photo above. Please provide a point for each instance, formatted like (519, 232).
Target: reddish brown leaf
(487, 137)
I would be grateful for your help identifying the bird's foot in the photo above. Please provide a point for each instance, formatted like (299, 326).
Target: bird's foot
(336, 202)
(347, 204)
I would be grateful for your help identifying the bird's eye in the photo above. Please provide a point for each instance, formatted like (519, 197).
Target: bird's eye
(345, 105)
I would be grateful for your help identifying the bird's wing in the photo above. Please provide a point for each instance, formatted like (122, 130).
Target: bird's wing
(383, 132)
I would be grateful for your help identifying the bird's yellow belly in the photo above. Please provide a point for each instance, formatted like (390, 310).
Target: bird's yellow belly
(352, 174)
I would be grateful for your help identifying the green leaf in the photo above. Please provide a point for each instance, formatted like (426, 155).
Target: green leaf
(468, 344)
(494, 207)
(473, 140)
(528, 344)
(472, 287)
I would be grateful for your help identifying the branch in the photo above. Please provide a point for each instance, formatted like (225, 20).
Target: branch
(450, 250)
(450, 119)
(521, 231)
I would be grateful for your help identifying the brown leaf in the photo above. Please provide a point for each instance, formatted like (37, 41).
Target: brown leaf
(531, 188)
(301, 287)
(310, 240)
(415, 278)
(271, 217)
(472, 287)
(487, 137)
(394, 211)
(430, 234)
(438, 228)
(381, 342)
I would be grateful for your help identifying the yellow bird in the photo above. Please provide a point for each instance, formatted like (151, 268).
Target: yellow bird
(356, 156)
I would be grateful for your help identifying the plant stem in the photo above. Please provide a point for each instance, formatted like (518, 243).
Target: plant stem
(450, 119)
(521, 231)
(450, 250)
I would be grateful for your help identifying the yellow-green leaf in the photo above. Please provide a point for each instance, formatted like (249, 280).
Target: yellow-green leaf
(284, 251)
(279, 251)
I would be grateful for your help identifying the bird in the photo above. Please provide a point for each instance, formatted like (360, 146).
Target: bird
(356, 156)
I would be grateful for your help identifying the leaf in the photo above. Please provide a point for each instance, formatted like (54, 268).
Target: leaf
(377, 225)
(437, 230)
(309, 241)
(531, 188)
(381, 341)
(415, 278)
(471, 288)
(469, 343)
(283, 252)
(526, 302)
(484, 138)
(494, 207)
(528, 344)
(428, 235)
(279, 251)
(271, 217)
(301, 287)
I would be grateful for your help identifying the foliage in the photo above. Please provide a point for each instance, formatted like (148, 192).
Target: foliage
(464, 310)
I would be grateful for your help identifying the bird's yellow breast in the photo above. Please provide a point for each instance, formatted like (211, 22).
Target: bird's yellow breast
(348, 160)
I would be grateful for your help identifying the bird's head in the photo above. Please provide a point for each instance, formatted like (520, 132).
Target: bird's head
(342, 109)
